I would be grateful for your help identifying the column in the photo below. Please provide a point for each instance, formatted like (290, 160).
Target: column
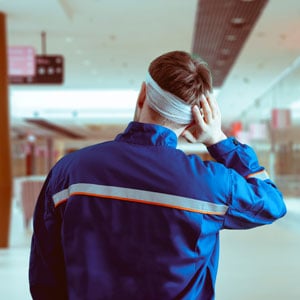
(5, 157)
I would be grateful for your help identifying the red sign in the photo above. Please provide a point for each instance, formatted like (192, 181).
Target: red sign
(236, 128)
(49, 69)
(21, 61)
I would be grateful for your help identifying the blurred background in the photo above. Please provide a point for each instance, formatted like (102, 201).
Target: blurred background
(74, 69)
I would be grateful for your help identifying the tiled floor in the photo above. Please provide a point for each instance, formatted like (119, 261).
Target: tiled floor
(257, 264)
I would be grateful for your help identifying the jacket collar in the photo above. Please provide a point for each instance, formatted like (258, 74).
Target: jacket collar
(148, 134)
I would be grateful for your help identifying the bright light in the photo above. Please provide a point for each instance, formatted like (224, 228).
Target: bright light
(295, 111)
(295, 105)
(71, 104)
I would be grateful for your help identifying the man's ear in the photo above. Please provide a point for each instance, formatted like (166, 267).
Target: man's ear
(142, 96)
(140, 102)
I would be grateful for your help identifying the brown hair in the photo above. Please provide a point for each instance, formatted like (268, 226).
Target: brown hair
(181, 74)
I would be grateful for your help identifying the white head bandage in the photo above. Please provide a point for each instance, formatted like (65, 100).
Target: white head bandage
(166, 104)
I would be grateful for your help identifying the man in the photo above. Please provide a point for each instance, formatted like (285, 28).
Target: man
(135, 218)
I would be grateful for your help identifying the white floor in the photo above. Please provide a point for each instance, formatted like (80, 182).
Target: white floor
(257, 264)
(262, 263)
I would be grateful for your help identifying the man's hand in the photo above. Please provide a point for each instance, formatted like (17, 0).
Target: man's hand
(206, 127)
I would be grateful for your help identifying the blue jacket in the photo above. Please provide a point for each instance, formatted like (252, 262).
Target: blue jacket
(136, 218)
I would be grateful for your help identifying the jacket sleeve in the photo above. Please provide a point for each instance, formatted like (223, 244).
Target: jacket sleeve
(254, 199)
(46, 267)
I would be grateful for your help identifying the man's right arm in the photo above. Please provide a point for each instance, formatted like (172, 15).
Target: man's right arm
(254, 199)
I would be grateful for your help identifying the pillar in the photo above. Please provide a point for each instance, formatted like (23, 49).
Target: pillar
(5, 156)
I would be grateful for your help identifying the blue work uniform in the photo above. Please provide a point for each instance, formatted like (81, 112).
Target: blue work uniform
(136, 218)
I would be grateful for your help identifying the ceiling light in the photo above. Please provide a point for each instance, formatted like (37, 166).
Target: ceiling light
(225, 51)
(246, 80)
(231, 37)
(220, 62)
(69, 39)
(86, 62)
(238, 21)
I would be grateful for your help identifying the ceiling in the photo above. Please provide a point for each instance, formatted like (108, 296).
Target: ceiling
(108, 44)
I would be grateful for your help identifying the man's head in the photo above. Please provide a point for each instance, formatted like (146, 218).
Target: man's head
(180, 74)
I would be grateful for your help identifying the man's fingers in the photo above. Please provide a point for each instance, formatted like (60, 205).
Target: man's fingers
(206, 109)
(212, 102)
(198, 116)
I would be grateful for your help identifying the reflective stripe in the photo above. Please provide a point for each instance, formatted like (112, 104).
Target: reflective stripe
(263, 175)
(140, 196)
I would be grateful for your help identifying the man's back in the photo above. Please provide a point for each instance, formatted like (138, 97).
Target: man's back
(140, 219)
